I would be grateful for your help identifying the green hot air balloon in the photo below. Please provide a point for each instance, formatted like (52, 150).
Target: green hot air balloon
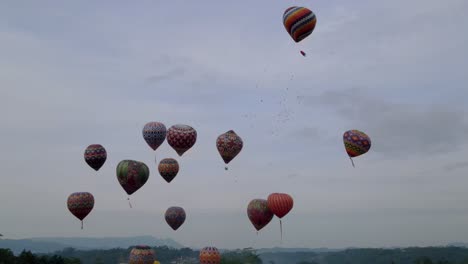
(132, 175)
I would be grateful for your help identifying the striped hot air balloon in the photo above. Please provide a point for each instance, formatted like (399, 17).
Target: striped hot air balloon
(299, 22)
(280, 204)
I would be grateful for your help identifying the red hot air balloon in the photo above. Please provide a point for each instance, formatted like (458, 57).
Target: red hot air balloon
(175, 217)
(95, 155)
(210, 255)
(141, 255)
(154, 134)
(229, 145)
(356, 143)
(181, 138)
(280, 204)
(80, 204)
(168, 169)
(259, 213)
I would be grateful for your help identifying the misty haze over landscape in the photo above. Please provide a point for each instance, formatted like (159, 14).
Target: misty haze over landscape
(245, 131)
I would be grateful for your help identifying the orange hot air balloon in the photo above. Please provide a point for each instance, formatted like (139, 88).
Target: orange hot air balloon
(210, 255)
(280, 204)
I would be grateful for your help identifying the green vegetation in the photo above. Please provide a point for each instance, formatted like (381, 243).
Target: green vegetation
(430, 255)
(26, 257)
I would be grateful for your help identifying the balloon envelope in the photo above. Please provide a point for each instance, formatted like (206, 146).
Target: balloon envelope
(280, 204)
(299, 22)
(80, 204)
(132, 175)
(181, 138)
(175, 217)
(229, 145)
(259, 213)
(141, 255)
(95, 155)
(168, 169)
(210, 255)
(154, 134)
(356, 143)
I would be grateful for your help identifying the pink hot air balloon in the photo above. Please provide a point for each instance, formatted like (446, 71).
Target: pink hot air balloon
(229, 146)
(80, 205)
(181, 138)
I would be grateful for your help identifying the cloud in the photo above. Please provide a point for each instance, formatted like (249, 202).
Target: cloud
(397, 129)
(164, 76)
(455, 166)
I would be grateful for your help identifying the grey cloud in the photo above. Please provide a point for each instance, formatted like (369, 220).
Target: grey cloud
(396, 128)
(455, 166)
(165, 76)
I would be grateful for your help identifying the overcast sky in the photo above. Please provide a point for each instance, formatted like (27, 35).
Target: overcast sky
(74, 73)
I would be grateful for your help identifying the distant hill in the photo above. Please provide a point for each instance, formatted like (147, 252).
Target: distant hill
(458, 244)
(293, 250)
(52, 244)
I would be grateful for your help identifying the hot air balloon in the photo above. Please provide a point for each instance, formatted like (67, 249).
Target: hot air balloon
(280, 204)
(299, 22)
(356, 143)
(259, 213)
(210, 255)
(141, 255)
(154, 134)
(80, 204)
(175, 217)
(132, 175)
(181, 138)
(229, 145)
(95, 155)
(168, 169)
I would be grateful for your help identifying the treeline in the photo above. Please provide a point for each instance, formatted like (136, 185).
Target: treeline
(113, 256)
(166, 255)
(26, 257)
(428, 255)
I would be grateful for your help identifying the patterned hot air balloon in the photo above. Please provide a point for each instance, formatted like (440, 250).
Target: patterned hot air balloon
(80, 204)
(168, 169)
(154, 134)
(356, 143)
(210, 255)
(299, 22)
(259, 213)
(132, 175)
(280, 204)
(181, 138)
(95, 155)
(229, 145)
(141, 255)
(175, 217)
